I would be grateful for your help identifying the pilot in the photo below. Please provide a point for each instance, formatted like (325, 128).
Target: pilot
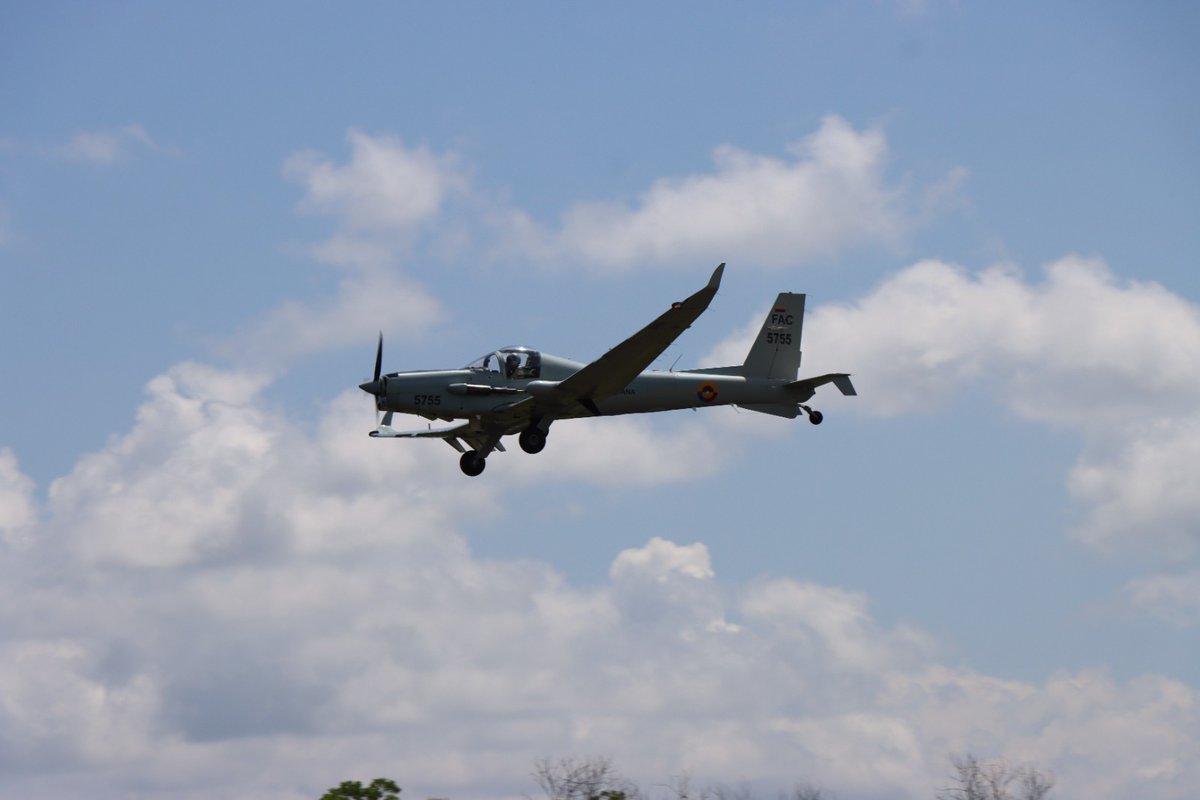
(511, 362)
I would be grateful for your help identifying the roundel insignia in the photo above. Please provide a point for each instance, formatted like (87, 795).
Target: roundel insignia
(707, 392)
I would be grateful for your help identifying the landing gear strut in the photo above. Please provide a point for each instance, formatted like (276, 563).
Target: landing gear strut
(815, 417)
(472, 463)
(532, 440)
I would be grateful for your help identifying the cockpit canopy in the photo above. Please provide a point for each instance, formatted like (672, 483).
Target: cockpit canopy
(519, 363)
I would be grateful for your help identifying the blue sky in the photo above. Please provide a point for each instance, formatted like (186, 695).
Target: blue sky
(216, 585)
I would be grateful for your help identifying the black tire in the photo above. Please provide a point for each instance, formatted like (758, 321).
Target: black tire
(472, 463)
(815, 417)
(532, 440)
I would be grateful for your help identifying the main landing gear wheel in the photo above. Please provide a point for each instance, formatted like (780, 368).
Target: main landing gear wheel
(532, 440)
(472, 463)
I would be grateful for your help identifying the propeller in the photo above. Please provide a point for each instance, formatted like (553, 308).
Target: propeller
(377, 386)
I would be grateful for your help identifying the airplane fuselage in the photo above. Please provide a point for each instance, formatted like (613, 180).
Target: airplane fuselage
(467, 393)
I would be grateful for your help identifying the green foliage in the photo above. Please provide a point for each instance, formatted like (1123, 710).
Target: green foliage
(378, 789)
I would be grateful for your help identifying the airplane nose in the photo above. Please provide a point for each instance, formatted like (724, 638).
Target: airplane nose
(372, 387)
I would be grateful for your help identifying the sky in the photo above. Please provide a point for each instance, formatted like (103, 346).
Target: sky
(215, 585)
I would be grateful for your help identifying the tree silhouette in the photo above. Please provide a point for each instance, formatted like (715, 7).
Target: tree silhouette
(378, 789)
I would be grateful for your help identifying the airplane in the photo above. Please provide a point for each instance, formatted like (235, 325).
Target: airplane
(516, 390)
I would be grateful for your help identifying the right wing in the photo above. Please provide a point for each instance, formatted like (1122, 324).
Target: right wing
(617, 368)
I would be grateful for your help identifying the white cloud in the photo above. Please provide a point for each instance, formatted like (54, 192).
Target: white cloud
(1174, 598)
(104, 147)
(63, 714)
(219, 604)
(624, 452)
(833, 622)
(384, 198)
(830, 193)
(386, 186)
(1117, 362)
(363, 304)
(660, 559)
(1141, 488)
(1078, 349)
(146, 500)
(18, 510)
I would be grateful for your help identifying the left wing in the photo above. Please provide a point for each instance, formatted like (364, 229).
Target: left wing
(617, 368)
(481, 436)
(385, 431)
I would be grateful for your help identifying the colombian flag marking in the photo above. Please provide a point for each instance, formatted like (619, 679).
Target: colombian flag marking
(707, 392)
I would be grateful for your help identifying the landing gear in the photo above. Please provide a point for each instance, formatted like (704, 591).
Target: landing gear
(815, 417)
(472, 463)
(532, 440)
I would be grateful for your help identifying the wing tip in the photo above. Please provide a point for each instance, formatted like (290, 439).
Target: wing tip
(715, 281)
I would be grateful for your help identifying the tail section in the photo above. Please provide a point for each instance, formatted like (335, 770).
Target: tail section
(776, 350)
(800, 392)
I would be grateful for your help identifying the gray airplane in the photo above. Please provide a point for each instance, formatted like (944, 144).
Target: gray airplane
(515, 390)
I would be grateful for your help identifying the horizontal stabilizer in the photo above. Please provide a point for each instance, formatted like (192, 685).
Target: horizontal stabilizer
(842, 382)
(786, 410)
(804, 389)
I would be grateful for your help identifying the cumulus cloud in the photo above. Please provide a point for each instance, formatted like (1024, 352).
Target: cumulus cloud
(218, 604)
(1116, 361)
(386, 187)
(1140, 487)
(1080, 348)
(17, 508)
(361, 305)
(660, 560)
(382, 200)
(626, 452)
(828, 194)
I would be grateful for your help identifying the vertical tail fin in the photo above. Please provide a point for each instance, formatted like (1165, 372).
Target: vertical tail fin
(776, 351)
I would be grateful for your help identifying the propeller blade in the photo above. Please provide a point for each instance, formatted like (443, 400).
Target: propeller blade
(379, 357)
(376, 385)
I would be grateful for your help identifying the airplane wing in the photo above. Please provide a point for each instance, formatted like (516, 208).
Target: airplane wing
(385, 431)
(507, 419)
(617, 368)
